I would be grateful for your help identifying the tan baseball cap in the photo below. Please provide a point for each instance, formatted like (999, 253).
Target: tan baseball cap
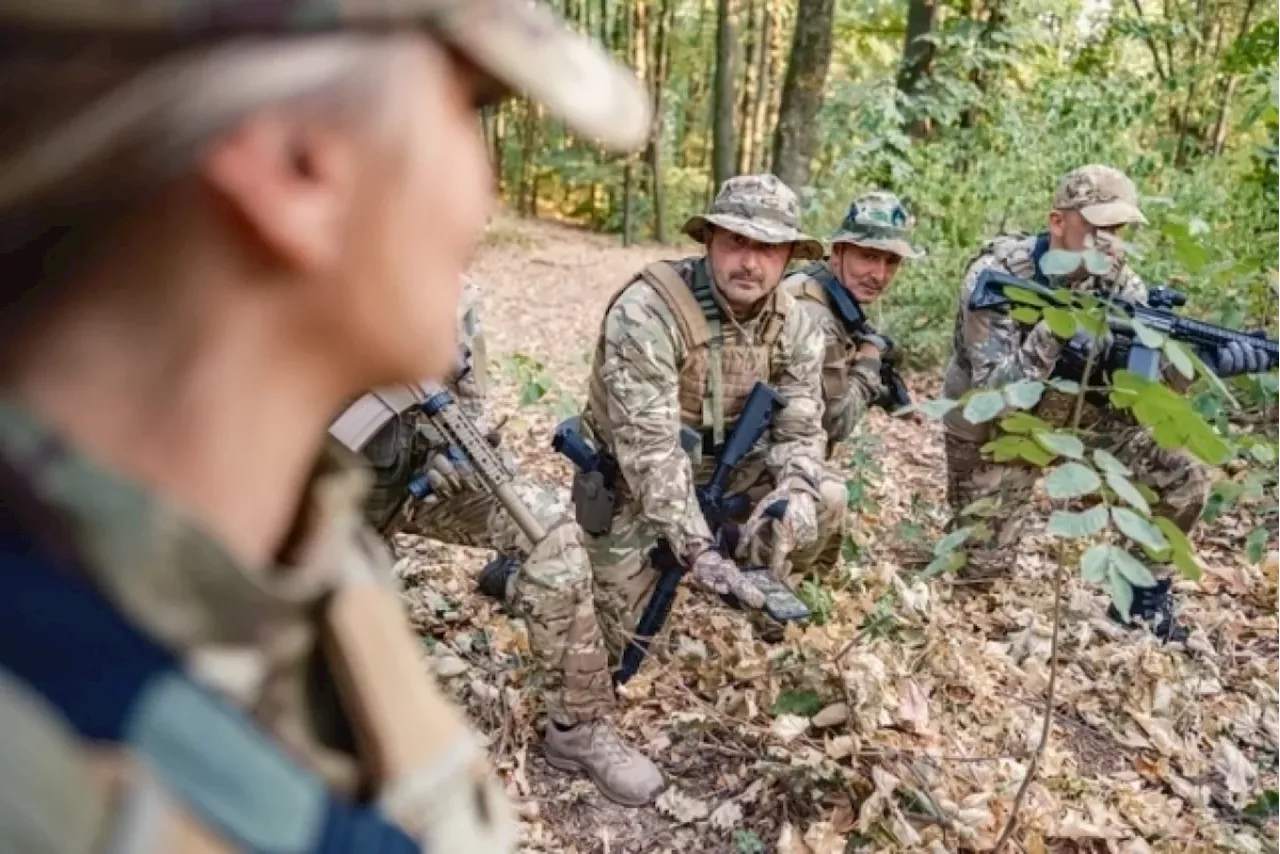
(760, 207)
(522, 44)
(1104, 196)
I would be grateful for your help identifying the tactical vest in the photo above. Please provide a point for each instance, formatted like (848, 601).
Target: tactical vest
(716, 375)
(807, 285)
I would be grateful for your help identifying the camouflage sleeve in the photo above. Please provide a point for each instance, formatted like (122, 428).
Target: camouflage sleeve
(797, 441)
(641, 377)
(996, 346)
(848, 384)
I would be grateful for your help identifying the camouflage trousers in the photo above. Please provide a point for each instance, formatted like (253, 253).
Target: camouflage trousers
(625, 578)
(552, 591)
(1006, 489)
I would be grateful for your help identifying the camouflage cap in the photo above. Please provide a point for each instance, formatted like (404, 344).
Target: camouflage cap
(760, 207)
(878, 220)
(1104, 196)
(523, 45)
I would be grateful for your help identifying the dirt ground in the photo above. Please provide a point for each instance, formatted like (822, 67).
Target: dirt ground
(903, 720)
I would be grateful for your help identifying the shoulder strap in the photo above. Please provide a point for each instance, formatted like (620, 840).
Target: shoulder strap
(679, 297)
(115, 685)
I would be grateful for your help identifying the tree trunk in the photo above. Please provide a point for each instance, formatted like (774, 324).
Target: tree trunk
(753, 46)
(917, 54)
(764, 85)
(725, 145)
(777, 67)
(529, 162)
(796, 135)
(660, 67)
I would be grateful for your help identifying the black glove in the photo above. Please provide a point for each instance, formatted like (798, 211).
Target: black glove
(1240, 358)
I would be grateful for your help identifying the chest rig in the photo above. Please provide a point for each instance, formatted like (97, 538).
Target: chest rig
(818, 284)
(722, 360)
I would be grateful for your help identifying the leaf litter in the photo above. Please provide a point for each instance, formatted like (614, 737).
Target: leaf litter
(906, 720)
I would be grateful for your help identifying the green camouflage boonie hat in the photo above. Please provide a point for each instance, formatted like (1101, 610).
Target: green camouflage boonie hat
(522, 45)
(878, 220)
(1104, 196)
(760, 207)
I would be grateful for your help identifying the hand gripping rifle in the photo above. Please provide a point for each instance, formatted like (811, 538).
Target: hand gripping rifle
(895, 394)
(992, 290)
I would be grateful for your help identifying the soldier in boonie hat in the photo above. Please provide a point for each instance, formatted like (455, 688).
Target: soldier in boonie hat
(220, 220)
(878, 220)
(758, 207)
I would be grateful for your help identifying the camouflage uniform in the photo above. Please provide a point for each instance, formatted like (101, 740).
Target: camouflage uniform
(991, 350)
(652, 372)
(851, 383)
(249, 633)
(552, 589)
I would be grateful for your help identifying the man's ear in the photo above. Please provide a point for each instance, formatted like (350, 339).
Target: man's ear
(288, 184)
(1057, 224)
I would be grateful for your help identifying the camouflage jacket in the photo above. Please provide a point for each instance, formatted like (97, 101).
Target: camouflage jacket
(638, 364)
(250, 633)
(990, 349)
(849, 384)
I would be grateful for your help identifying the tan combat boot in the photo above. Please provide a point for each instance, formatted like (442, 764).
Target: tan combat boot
(623, 774)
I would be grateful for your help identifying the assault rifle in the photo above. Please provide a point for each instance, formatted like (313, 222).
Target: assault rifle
(855, 320)
(996, 290)
(719, 509)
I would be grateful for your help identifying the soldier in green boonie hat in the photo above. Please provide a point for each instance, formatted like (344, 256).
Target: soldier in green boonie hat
(220, 220)
(866, 251)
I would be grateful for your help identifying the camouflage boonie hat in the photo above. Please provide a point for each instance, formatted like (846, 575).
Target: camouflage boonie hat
(760, 207)
(523, 45)
(1104, 196)
(878, 220)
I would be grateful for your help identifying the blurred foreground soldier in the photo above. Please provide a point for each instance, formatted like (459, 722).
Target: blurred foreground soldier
(212, 230)
(1091, 208)
(866, 252)
(547, 583)
(683, 344)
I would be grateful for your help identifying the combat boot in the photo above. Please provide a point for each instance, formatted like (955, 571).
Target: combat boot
(623, 774)
(1154, 606)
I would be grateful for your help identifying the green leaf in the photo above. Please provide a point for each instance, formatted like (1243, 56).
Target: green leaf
(804, 703)
(1094, 563)
(1061, 443)
(1179, 358)
(1071, 481)
(1255, 544)
(935, 409)
(948, 562)
(1026, 314)
(1024, 296)
(1149, 337)
(952, 540)
(1121, 592)
(1022, 422)
(1004, 449)
(1034, 454)
(1096, 262)
(1208, 445)
(1178, 541)
(1061, 321)
(1107, 462)
(1131, 568)
(1094, 324)
(1024, 394)
(1059, 262)
(1064, 523)
(1266, 806)
(1068, 387)
(1122, 487)
(1187, 565)
(983, 406)
(1138, 529)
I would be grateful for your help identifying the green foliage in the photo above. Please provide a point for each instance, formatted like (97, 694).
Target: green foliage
(747, 842)
(818, 600)
(805, 703)
(536, 386)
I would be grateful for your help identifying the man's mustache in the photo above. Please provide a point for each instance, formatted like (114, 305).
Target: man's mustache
(746, 277)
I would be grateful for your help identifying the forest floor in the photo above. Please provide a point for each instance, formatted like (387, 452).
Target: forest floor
(903, 720)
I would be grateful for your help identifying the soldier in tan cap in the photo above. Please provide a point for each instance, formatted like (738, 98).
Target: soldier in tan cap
(681, 345)
(866, 252)
(1091, 209)
(218, 222)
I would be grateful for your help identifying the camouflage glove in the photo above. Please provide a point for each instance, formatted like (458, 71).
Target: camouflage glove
(449, 474)
(720, 575)
(769, 541)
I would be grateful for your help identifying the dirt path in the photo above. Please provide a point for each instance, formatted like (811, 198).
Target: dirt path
(938, 698)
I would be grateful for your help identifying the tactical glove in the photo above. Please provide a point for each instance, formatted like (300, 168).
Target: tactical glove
(720, 575)
(450, 475)
(1240, 358)
(770, 541)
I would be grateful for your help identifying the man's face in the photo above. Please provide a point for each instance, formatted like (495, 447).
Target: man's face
(745, 271)
(864, 272)
(1069, 230)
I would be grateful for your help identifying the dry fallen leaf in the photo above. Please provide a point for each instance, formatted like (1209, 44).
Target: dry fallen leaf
(821, 838)
(726, 816)
(681, 807)
(789, 727)
(790, 841)
(1237, 772)
(913, 706)
(837, 713)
